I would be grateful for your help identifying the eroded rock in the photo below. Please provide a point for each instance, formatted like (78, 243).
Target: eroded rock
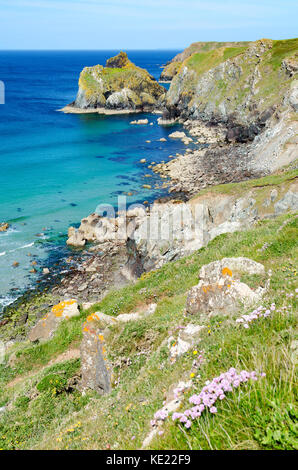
(96, 370)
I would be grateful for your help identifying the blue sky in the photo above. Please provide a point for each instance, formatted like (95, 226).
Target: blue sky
(141, 24)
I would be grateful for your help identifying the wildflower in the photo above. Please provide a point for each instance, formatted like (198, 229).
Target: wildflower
(176, 416)
(211, 392)
(192, 375)
(161, 415)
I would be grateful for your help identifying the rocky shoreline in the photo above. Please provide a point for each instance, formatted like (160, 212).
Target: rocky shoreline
(233, 143)
(107, 261)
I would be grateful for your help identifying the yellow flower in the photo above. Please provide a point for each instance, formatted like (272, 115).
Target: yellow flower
(195, 352)
(192, 375)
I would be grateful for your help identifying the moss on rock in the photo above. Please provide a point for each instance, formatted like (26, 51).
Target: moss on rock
(119, 85)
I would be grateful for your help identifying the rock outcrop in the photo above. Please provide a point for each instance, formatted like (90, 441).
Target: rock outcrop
(171, 230)
(245, 85)
(220, 291)
(119, 86)
(95, 368)
(46, 327)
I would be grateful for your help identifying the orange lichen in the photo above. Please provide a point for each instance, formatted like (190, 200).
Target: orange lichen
(227, 271)
(59, 308)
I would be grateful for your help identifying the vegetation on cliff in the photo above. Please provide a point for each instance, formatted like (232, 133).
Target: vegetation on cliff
(43, 408)
(173, 67)
(245, 83)
(119, 85)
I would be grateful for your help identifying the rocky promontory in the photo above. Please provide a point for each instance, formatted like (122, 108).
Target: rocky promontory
(120, 86)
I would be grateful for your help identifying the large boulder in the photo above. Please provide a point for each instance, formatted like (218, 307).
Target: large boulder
(213, 271)
(219, 292)
(47, 326)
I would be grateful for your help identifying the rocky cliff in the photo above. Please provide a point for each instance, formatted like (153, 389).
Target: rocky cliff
(172, 68)
(120, 85)
(246, 84)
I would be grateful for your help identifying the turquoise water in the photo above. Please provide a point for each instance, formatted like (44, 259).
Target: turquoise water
(56, 168)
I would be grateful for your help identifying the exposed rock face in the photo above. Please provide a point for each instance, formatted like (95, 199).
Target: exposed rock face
(218, 292)
(175, 229)
(120, 85)
(117, 62)
(46, 327)
(235, 84)
(170, 71)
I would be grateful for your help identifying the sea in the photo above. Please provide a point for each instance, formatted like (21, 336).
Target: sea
(56, 168)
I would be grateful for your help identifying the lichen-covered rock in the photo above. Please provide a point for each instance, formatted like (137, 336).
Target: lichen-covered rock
(46, 327)
(223, 297)
(121, 85)
(96, 370)
(220, 292)
(213, 271)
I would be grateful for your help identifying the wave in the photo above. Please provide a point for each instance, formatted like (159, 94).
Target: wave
(5, 301)
(28, 245)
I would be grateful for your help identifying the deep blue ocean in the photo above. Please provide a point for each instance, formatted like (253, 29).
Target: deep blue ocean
(56, 168)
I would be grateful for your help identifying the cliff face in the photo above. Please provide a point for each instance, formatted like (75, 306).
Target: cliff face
(173, 67)
(245, 84)
(121, 85)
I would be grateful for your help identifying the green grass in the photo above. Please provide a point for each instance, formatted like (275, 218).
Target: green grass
(203, 61)
(281, 50)
(260, 415)
(233, 89)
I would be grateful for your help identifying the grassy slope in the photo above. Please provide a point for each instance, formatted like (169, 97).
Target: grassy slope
(260, 415)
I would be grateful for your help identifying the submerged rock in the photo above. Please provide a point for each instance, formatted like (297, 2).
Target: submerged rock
(4, 226)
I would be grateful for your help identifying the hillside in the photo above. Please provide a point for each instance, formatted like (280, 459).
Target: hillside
(152, 373)
(244, 83)
(173, 67)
